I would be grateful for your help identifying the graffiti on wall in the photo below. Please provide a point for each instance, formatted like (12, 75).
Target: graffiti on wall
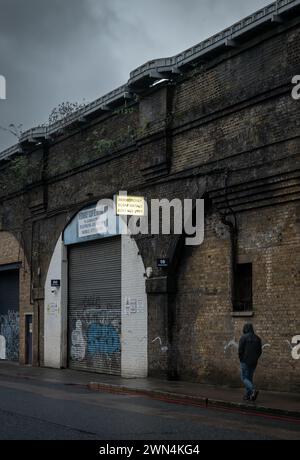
(95, 339)
(9, 336)
(103, 338)
(2, 347)
(294, 346)
(78, 344)
(233, 343)
(163, 348)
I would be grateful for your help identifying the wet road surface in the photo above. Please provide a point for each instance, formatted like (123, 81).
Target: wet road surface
(32, 410)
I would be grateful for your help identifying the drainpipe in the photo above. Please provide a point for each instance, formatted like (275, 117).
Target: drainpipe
(172, 372)
(233, 231)
(233, 255)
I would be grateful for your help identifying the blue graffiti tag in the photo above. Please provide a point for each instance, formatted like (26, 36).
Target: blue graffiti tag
(103, 338)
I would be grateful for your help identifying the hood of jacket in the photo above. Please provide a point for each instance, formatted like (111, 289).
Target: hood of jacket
(248, 329)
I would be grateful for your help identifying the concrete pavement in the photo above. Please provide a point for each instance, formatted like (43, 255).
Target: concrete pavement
(272, 404)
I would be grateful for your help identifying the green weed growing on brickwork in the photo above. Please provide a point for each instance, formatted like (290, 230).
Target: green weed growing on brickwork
(125, 137)
(104, 145)
(15, 173)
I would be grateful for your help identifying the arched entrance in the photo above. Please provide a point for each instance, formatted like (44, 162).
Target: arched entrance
(95, 301)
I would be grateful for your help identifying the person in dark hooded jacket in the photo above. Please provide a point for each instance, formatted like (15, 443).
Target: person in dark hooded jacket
(250, 350)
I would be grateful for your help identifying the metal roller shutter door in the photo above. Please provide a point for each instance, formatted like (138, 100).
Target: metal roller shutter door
(94, 312)
(9, 314)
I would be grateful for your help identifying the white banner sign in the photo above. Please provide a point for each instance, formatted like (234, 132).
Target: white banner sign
(92, 222)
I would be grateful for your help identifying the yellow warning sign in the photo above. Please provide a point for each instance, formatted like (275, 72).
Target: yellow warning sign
(130, 205)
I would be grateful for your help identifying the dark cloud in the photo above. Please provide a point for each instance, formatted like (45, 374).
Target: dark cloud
(58, 50)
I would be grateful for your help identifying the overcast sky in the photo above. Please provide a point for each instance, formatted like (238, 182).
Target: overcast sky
(74, 50)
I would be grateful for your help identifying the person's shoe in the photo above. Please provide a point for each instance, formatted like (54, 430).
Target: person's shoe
(246, 398)
(254, 395)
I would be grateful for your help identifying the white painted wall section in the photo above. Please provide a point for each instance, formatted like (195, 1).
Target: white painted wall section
(55, 310)
(134, 335)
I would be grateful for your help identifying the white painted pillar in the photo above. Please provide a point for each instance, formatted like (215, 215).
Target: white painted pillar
(134, 320)
(55, 310)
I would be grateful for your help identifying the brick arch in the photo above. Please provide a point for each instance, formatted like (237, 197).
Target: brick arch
(11, 249)
(76, 210)
(56, 321)
(12, 252)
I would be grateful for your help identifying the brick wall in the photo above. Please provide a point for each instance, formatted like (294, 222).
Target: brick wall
(205, 326)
